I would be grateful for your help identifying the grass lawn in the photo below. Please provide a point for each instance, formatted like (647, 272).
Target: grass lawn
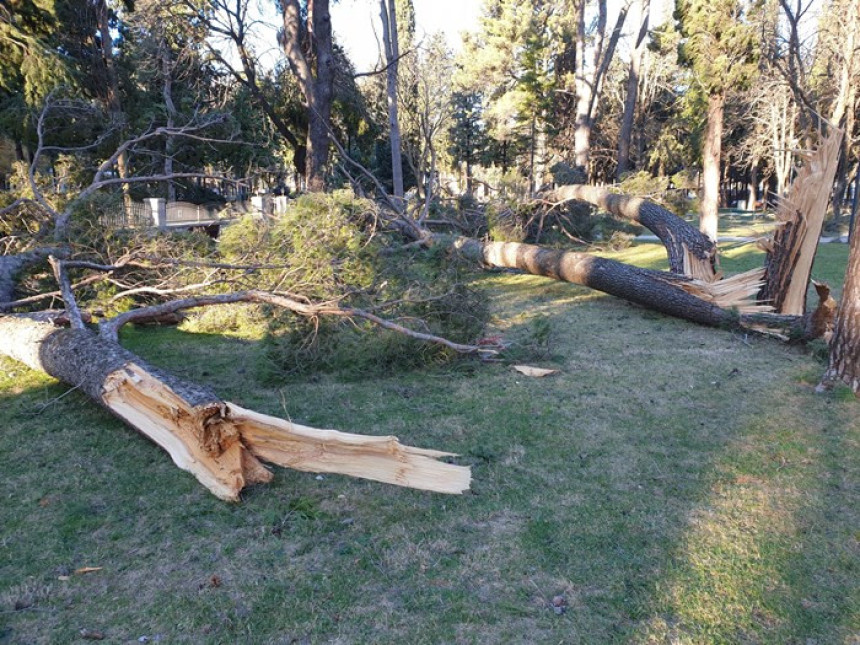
(673, 484)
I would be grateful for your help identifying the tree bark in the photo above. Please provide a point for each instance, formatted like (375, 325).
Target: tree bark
(667, 293)
(844, 360)
(630, 99)
(790, 255)
(388, 15)
(711, 152)
(308, 48)
(170, 108)
(11, 265)
(690, 252)
(220, 443)
(112, 93)
(589, 82)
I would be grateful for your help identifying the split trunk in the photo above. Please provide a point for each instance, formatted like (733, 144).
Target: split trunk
(220, 443)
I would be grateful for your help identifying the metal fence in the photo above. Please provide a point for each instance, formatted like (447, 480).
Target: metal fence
(133, 215)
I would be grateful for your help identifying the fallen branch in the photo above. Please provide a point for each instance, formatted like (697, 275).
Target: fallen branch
(110, 328)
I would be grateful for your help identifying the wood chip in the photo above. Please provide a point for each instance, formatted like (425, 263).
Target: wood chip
(83, 570)
(536, 372)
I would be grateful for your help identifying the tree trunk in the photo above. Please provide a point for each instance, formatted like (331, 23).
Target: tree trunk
(112, 94)
(690, 252)
(392, 54)
(11, 265)
(752, 187)
(630, 99)
(667, 293)
(170, 108)
(589, 75)
(314, 72)
(220, 443)
(844, 361)
(711, 151)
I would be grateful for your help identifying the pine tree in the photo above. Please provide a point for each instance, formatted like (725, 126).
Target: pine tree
(720, 47)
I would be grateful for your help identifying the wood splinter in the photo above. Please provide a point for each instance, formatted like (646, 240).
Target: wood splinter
(222, 444)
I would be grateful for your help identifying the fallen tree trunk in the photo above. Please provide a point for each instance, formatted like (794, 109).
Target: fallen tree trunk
(667, 293)
(690, 252)
(220, 443)
(726, 303)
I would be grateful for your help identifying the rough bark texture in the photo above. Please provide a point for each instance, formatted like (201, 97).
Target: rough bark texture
(630, 98)
(392, 56)
(844, 362)
(218, 442)
(725, 303)
(308, 48)
(657, 290)
(690, 252)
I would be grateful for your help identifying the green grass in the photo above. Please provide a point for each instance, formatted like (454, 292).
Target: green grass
(673, 483)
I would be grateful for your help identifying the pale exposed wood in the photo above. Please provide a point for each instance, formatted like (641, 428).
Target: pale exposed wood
(194, 437)
(536, 372)
(382, 459)
(690, 252)
(737, 292)
(801, 215)
(218, 442)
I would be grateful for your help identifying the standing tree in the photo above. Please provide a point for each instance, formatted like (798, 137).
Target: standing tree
(594, 53)
(633, 80)
(308, 46)
(466, 134)
(388, 14)
(844, 361)
(720, 48)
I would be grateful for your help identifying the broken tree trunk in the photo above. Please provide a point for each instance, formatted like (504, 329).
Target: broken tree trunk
(726, 303)
(691, 252)
(668, 293)
(792, 249)
(220, 443)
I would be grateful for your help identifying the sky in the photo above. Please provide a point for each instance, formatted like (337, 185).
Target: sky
(357, 27)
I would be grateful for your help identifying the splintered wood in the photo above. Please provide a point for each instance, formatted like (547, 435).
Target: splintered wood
(738, 292)
(801, 215)
(222, 444)
(382, 459)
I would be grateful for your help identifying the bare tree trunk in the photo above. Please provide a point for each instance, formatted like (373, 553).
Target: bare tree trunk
(314, 71)
(844, 362)
(220, 443)
(112, 96)
(630, 99)
(711, 151)
(801, 214)
(752, 195)
(392, 55)
(589, 81)
(170, 107)
(11, 265)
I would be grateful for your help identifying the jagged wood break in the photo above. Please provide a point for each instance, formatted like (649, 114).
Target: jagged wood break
(222, 444)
